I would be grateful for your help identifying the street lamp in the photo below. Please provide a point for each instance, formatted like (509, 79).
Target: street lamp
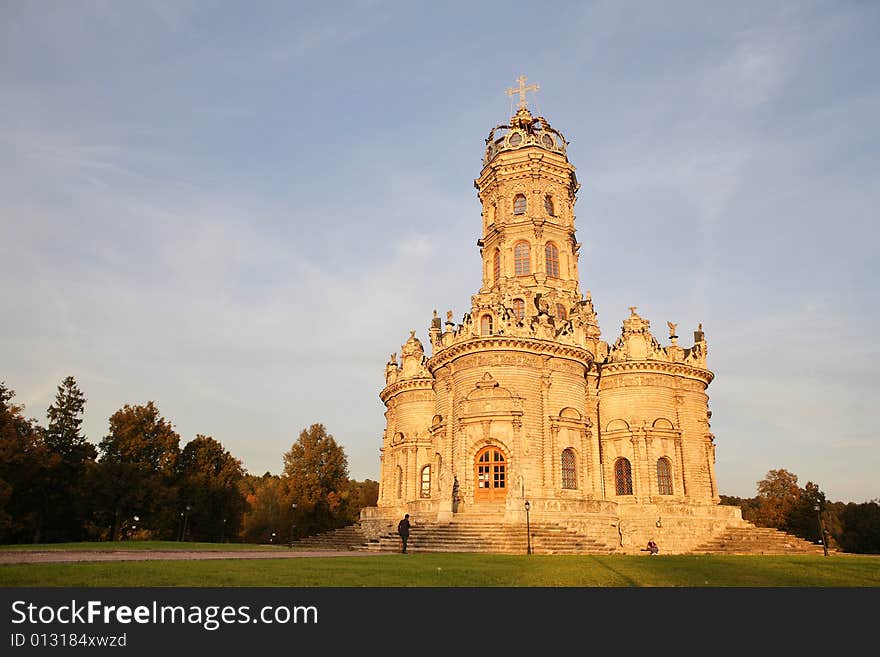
(223, 531)
(185, 519)
(822, 535)
(272, 540)
(528, 530)
(292, 511)
(180, 531)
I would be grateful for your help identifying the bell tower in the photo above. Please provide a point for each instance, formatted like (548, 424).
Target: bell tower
(527, 189)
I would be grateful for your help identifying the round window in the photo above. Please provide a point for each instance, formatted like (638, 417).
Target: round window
(515, 139)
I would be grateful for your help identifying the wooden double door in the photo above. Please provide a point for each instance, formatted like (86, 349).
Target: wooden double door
(490, 475)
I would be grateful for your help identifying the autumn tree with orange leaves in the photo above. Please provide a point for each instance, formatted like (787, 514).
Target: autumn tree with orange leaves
(316, 476)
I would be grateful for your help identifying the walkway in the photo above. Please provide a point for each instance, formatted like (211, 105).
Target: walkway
(69, 556)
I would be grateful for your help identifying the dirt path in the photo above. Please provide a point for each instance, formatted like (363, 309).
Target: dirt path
(66, 556)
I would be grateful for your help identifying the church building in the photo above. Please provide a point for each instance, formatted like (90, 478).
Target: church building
(521, 411)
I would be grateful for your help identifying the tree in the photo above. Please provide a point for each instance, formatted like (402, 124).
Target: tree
(210, 482)
(64, 438)
(367, 493)
(267, 508)
(860, 527)
(748, 505)
(803, 519)
(778, 492)
(137, 470)
(358, 495)
(25, 464)
(64, 433)
(316, 474)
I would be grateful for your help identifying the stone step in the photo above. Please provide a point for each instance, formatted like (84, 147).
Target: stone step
(756, 540)
(464, 534)
(344, 538)
(491, 537)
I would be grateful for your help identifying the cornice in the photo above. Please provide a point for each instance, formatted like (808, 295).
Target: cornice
(496, 343)
(405, 386)
(487, 184)
(651, 366)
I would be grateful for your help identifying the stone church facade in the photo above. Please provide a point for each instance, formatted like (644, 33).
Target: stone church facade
(522, 400)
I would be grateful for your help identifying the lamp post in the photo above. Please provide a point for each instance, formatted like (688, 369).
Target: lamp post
(185, 519)
(822, 535)
(180, 531)
(223, 532)
(528, 530)
(292, 511)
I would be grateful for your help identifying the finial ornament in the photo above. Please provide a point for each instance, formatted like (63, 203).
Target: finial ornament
(632, 310)
(671, 329)
(521, 90)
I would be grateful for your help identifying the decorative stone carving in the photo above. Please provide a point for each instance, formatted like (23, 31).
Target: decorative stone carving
(391, 370)
(412, 359)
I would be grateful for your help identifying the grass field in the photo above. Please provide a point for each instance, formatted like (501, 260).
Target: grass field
(453, 570)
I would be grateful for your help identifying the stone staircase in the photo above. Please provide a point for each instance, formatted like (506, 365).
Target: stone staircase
(489, 536)
(344, 538)
(756, 540)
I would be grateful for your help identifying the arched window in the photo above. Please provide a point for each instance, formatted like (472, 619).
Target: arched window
(496, 268)
(551, 257)
(664, 476)
(623, 481)
(522, 259)
(569, 469)
(560, 311)
(548, 206)
(399, 482)
(519, 204)
(486, 325)
(519, 308)
(425, 489)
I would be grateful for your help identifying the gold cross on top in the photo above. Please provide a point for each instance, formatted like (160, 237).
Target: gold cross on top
(522, 91)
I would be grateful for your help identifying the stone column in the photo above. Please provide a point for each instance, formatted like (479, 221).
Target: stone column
(651, 467)
(636, 470)
(679, 452)
(546, 441)
(710, 462)
(521, 451)
(586, 468)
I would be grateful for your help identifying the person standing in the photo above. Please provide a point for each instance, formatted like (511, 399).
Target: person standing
(403, 531)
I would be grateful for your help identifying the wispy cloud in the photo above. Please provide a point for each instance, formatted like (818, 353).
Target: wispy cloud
(236, 212)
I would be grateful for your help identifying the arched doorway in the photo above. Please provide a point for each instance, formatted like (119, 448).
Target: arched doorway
(490, 475)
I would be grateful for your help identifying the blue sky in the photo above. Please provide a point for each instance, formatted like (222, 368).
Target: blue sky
(240, 210)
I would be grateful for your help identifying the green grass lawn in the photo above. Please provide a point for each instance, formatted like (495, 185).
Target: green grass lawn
(450, 570)
(112, 546)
